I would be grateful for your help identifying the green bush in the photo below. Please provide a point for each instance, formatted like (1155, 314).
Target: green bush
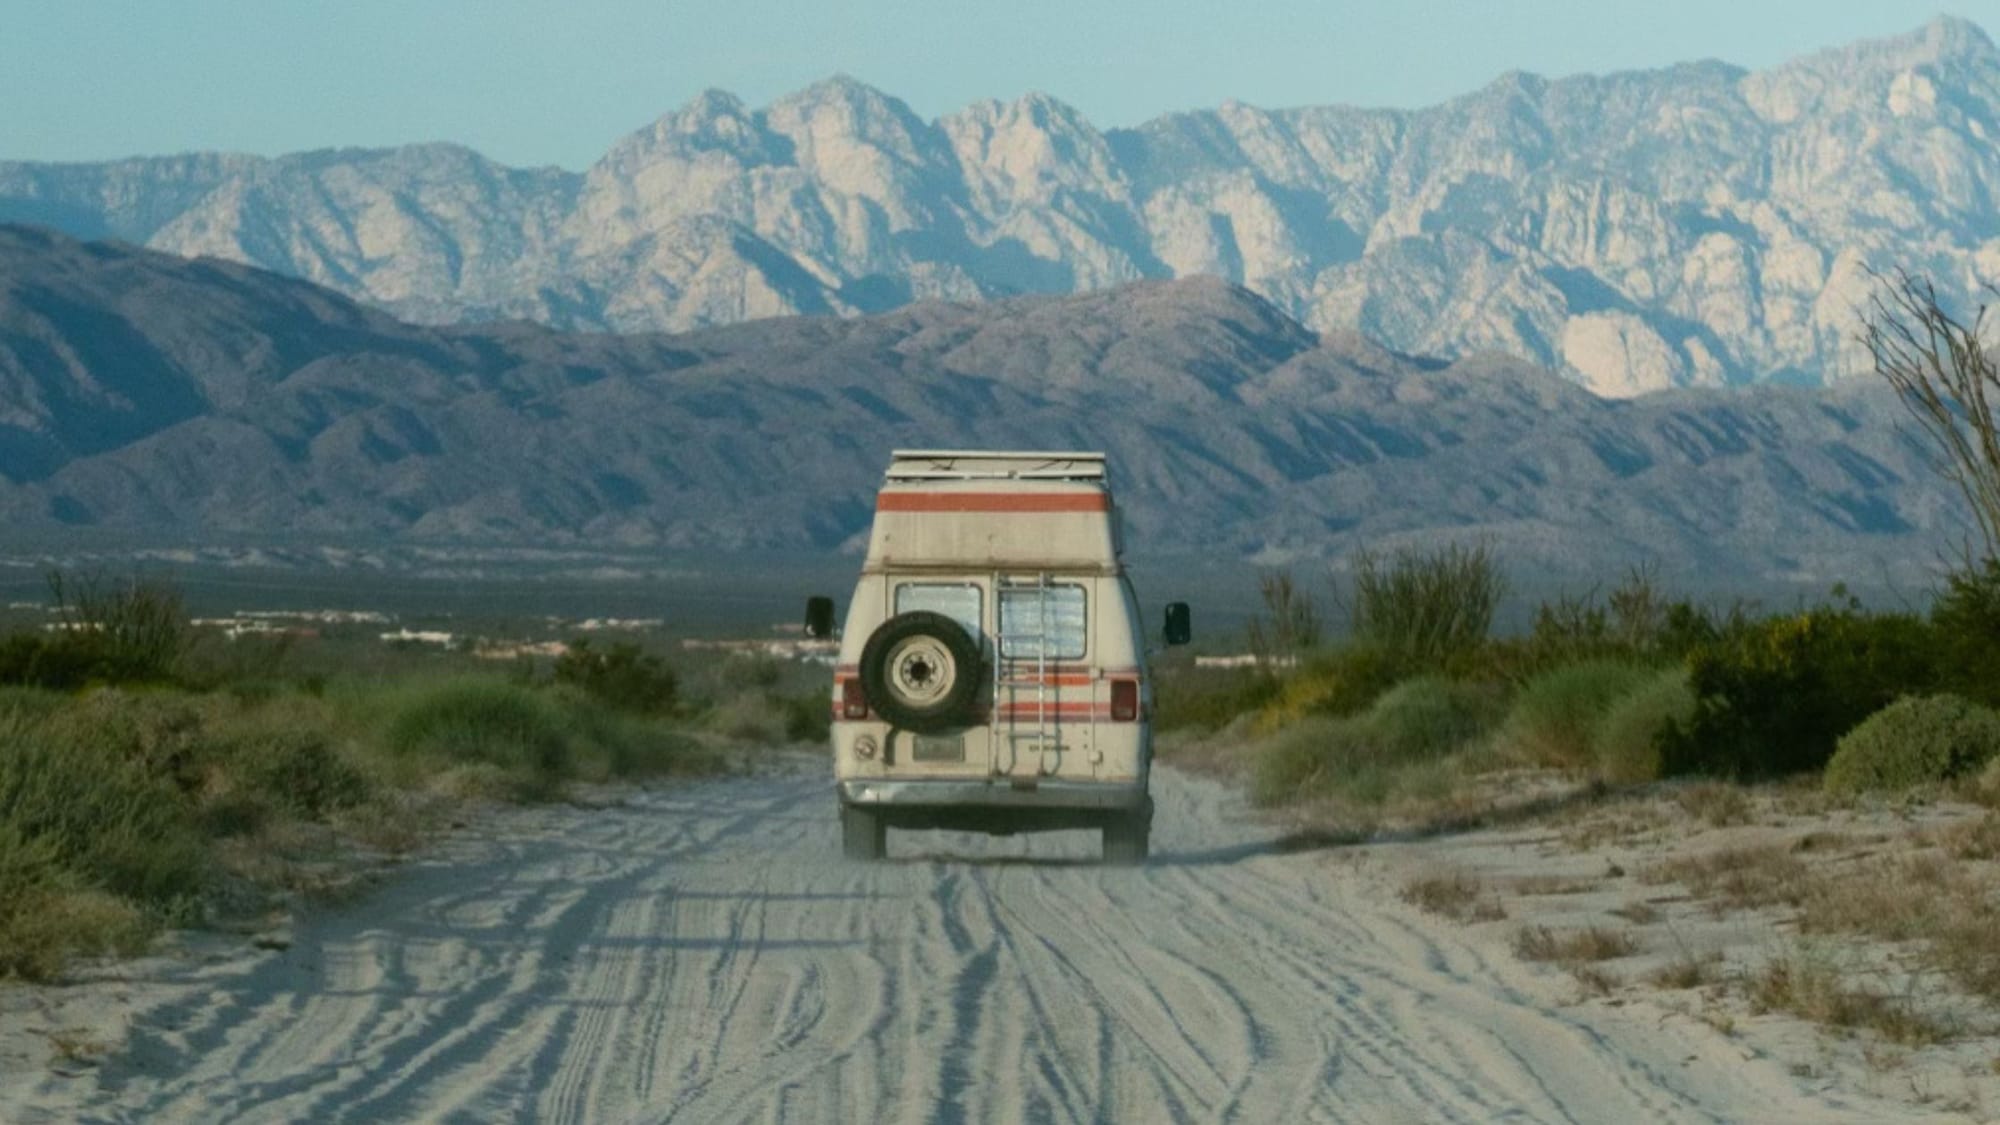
(1344, 681)
(808, 718)
(1430, 607)
(605, 744)
(1966, 624)
(1919, 740)
(299, 771)
(485, 721)
(102, 815)
(1429, 717)
(1395, 747)
(44, 660)
(1208, 699)
(47, 916)
(1556, 714)
(110, 632)
(1313, 757)
(1627, 739)
(1772, 698)
(623, 676)
(1987, 789)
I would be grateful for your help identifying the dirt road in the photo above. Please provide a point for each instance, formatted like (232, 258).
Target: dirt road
(704, 954)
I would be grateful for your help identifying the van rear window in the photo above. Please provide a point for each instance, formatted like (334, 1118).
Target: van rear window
(1042, 622)
(956, 600)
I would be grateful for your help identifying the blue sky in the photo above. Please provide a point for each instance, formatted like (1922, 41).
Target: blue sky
(540, 82)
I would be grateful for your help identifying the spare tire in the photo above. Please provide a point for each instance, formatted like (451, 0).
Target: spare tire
(920, 671)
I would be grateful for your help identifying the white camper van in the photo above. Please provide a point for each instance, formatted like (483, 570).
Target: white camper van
(992, 673)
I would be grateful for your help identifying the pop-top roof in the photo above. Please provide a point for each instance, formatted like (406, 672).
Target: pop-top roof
(994, 464)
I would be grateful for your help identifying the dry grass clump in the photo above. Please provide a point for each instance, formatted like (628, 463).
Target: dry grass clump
(1552, 885)
(1737, 878)
(1687, 971)
(1927, 898)
(1975, 839)
(1590, 944)
(1459, 897)
(1715, 803)
(1814, 990)
(1638, 912)
(1986, 790)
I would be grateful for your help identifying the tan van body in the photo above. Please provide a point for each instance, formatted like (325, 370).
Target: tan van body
(1022, 552)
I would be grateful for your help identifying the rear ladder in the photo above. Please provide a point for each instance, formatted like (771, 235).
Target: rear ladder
(1007, 677)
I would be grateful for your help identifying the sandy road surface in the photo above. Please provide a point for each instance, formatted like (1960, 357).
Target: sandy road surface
(703, 954)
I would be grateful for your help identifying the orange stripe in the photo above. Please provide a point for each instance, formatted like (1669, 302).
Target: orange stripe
(992, 502)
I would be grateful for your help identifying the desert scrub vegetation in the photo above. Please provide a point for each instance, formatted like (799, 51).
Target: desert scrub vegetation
(1626, 688)
(155, 775)
(1917, 740)
(1403, 746)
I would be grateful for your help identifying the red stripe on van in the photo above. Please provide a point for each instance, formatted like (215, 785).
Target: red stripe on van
(992, 502)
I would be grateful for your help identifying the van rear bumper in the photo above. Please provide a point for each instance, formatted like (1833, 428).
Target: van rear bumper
(1001, 793)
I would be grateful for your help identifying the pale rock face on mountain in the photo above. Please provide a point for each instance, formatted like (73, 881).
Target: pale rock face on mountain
(1698, 225)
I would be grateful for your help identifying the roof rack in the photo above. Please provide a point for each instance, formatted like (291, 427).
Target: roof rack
(994, 464)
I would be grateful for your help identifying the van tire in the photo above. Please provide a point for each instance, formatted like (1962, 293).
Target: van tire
(1128, 838)
(920, 671)
(863, 834)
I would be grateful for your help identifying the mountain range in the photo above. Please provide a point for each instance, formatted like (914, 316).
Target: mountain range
(207, 401)
(1696, 225)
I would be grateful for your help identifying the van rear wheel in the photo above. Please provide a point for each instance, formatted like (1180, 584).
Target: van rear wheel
(863, 834)
(1128, 838)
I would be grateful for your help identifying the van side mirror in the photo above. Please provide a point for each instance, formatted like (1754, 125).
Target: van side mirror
(1180, 623)
(819, 617)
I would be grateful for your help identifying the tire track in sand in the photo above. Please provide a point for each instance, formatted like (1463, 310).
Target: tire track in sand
(702, 954)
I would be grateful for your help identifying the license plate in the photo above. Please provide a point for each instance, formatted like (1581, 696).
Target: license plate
(931, 748)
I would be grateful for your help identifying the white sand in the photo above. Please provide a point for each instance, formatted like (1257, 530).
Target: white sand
(703, 954)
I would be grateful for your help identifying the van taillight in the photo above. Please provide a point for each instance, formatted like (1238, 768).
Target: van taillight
(1124, 700)
(853, 699)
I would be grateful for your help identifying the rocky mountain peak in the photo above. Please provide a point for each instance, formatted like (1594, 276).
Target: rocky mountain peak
(1693, 225)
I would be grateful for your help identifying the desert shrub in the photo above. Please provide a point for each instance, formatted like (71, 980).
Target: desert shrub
(300, 771)
(484, 721)
(102, 815)
(623, 676)
(47, 916)
(1430, 716)
(1919, 740)
(25, 705)
(160, 733)
(1555, 715)
(1966, 626)
(1208, 699)
(1772, 698)
(44, 660)
(1343, 681)
(1397, 747)
(1627, 738)
(1427, 606)
(748, 716)
(605, 744)
(1987, 788)
(808, 718)
(133, 630)
(1310, 757)
(1289, 623)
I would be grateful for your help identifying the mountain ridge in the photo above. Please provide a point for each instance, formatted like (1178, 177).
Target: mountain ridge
(146, 394)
